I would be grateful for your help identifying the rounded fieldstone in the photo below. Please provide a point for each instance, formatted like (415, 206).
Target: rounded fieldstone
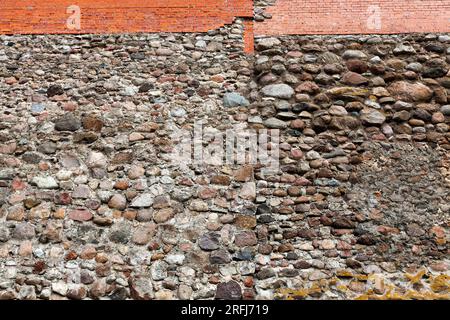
(118, 202)
(282, 91)
(67, 122)
(233, 99)
(209, 241)
(230, 290)
(24, 231)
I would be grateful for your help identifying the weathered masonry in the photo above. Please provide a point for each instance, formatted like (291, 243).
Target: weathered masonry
(92, 205)
(286, 16)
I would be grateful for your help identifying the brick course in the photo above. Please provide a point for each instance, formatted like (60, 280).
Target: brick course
(115, 16)
(356, 17)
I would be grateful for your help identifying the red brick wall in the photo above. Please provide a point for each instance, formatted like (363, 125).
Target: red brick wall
(113, 16)
(356, 16)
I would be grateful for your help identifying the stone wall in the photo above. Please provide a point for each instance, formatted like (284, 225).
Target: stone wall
(92, 205)
(360, 207)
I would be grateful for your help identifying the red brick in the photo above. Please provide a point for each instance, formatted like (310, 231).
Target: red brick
(116, 16)
(351, 16)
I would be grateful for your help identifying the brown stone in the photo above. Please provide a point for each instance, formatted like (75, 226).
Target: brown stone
(243, 174)
(88, 253)
(221, 180)
(80, 215)
(121, 185)
(245, 238)
(354, 79)
(163, 215)
(144, 234)
(245, 222)
(357, 66)
(307, 87)
(92, 122)
(408, 92)
(118, 202)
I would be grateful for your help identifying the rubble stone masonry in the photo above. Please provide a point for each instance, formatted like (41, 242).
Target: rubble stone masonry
(93, 205)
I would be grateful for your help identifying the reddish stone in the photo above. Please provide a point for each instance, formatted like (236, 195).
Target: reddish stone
(18, 184)
(248, 282)
(437, 231)
(248, 294)
(296, 154)
(80, 215)
(302, 182)
(121, 185)
(243, 174)
(387, 230)
(39, 266)
(354, 79)
(69, 106)
(246, 238)
(217, 78)
(357, 66)
(206, 193)
(88, 253)
(72, 255)
(63, 198)
(186, 182)
(10, 80)
(379, 137)
(307, 87)
(221, 180)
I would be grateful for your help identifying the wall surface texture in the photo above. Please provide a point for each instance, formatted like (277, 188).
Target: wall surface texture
(355, 16)
(113, 16)
(93, 203)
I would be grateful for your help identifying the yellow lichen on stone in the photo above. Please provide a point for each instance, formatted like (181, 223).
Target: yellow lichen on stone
(415, 278)
(315, 288)
(291, 294)
(342, 288)
(361, 277)
(440, 283)
(418, 286)
(344, 274)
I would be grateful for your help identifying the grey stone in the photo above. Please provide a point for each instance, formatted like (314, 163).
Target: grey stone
(274, 123)
(268, 43)
(372, 117)
(233, 99)
(141, 288)
(230, 290)
(282, 91)
(67, 122)
(178, 112)
(142, 201)
(354, 54)
(221, 256)
(404, 49)
(37, 108)
(444, 38)
(446, 110)
(209, 241)
(45, 182)
(24, 231)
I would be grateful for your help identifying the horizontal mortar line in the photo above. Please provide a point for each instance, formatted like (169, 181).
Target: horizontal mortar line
(126, 7)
